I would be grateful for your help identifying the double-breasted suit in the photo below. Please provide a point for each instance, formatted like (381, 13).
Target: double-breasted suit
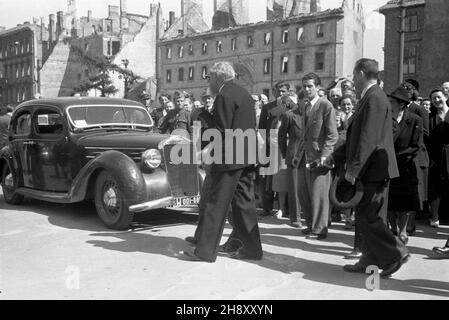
(312, 133)
(370, 157)
(230, 184)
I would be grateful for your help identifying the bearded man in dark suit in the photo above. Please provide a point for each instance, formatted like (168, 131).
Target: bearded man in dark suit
(369, 156)
(230, 183)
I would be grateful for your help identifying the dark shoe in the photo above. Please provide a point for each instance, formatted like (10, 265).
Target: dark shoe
(191, 256)
(355, 268)
(444, 252)
(266, 214)
(296, 224)
(191, 240)
(306, 231)
(394, 267)
(355, 254)
(316, 236)
(230, 246)
(239, 255)
(348, 225)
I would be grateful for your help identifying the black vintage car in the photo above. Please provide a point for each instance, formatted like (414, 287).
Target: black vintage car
(68, 150)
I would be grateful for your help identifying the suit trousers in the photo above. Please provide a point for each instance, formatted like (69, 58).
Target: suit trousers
(228, 188)
(379, 246)
(294, 205)
(314, 188)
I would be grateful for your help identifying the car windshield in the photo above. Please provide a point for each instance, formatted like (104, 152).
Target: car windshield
(98, 116)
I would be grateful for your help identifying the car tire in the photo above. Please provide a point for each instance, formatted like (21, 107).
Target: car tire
(9, 192)
(112, 207)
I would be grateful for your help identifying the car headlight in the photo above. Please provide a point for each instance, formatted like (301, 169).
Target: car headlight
(152, 158)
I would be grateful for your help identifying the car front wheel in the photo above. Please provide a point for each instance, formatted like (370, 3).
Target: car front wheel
(112, 207)
(9, 184)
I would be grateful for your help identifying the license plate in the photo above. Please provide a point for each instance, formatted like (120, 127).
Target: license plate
(185, 201)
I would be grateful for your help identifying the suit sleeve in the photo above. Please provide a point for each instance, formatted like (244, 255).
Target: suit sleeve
(263, 118)
(283, 134)
(330, 125)
(223, 112)
(374, 114)
(425, 121)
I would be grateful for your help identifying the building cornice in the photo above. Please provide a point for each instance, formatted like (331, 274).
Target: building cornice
(303, 18)
(395, 4)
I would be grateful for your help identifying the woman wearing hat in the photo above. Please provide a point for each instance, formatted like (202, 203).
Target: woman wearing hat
(403, 196)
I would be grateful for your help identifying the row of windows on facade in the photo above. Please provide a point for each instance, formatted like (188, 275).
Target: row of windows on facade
(16, 71)
(249, 42)
(19, 47)
(299, 67)
(11, 95)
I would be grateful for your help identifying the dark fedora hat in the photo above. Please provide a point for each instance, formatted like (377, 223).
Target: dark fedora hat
(414, 83)
(401, 94)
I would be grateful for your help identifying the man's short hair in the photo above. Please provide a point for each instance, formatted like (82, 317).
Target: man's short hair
(164, 94)
(312, 76)
(224, 70)
(370, 68)
(437, 89)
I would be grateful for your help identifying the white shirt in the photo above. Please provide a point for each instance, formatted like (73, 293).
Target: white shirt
(366, 89)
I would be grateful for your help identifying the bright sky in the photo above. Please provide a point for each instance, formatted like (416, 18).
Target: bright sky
(13, 12)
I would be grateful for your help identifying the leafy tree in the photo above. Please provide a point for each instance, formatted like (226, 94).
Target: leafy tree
(100, 79)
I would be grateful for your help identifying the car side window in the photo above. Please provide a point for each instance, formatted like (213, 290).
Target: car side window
(48, 122)
(22, 125)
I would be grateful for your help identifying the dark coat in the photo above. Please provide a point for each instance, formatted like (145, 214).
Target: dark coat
(369, 150)
(234, 109)
(408, 140)
(290, 133)
(176, 119)
(438, 145)
(423, 156)
(269, 114)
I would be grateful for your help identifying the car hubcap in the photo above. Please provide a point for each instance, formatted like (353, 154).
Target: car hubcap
(110, 198)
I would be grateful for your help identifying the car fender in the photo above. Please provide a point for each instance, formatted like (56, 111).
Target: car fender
(127, 173)
(7, 156)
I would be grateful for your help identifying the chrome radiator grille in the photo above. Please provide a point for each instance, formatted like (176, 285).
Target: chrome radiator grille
(183, 178)
(133, 153)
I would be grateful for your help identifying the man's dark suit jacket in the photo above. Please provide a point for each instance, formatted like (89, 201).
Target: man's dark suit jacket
(234, 109)
(369, 149)
(290, 134)
(270, 113)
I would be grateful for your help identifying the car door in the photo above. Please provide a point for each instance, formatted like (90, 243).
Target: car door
(49, 151)
(21, 140)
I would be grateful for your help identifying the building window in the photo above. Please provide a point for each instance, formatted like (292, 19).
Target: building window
(86, 47)
(320, 30)
(204, 72)
(109, 48)
(191, 50)
(284, 65)
(410, 60)
(319, 61)
(267, 38)
(191, 73)
(285, 36)
(299, 33)
(180, 51)
(29, 70)
(250, 41)
(79, 77)
(17, 71)
(234, 44)
(219, 46)
(204, 48)
(181, 74)
(411, 23)
(168, 53)
(266, 66)
(168, 77)
(299, 63)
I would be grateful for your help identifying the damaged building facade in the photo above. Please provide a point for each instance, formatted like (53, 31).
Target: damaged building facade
(292, 41)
